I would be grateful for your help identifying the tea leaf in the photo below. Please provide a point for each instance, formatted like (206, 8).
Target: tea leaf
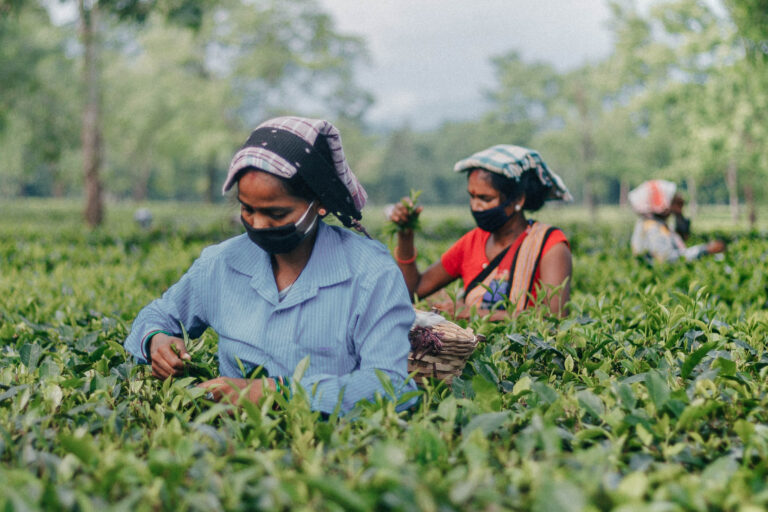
(657, 389)
(30, 355)
(695, 358)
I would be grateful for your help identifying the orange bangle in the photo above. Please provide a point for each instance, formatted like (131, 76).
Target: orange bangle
(409, 260)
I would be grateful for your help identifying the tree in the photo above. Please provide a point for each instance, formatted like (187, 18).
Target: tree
(281, 55)
(751, 19)
(38, 105)
(184, 12)
(183, 75)
(726, 97)
(185, 95)
(180, 116)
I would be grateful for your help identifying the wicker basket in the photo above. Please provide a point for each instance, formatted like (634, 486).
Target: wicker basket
(440, 350)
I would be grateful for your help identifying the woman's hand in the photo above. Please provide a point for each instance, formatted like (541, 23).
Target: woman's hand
(456, 310)
(403, 212)
(229, 389)
(167, 354)
(715, 246)
(460, 311)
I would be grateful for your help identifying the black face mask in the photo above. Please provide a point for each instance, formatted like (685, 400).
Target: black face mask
(281, 239)
(493, 218)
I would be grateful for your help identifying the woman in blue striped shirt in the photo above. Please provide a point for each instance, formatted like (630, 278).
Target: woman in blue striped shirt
(291, 286)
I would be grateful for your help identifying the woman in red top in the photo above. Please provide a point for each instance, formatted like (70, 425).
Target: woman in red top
(507, 256)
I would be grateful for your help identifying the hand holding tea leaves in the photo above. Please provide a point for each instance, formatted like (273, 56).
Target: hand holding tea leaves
(179, 362)
(229, 389)
(168, 354)
(404, 215)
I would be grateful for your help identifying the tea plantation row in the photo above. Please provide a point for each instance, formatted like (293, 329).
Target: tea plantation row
(651, 395)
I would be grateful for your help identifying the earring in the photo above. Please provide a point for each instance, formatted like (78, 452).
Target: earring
(518, 207)
(322, 212)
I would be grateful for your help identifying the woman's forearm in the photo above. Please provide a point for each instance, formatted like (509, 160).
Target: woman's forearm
(405, 256)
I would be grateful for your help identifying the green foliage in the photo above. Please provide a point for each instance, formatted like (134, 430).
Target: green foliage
(680, 96)
(181, 84)
(413, 224)
(751, 18)
(406, 159)
(38, 106)
(649, 395)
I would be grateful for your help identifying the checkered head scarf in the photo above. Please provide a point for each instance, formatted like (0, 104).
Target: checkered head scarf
(652, 197)
(311, 148)
(511, 162)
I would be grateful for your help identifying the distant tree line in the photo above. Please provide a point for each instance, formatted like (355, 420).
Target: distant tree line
(179, 84)
(681, 96)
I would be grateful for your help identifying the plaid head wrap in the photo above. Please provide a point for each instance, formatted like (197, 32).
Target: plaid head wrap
(286, 146)
(511, 162)
(652, 197)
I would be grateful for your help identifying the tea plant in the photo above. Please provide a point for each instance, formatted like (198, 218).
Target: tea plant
(650, 395)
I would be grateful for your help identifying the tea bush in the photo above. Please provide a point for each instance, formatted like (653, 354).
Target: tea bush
(650, 395)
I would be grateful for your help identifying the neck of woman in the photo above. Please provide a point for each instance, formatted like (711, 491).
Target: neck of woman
(511, 229)
(287, 267)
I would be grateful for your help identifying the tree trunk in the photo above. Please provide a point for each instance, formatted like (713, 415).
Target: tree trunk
(91, 129)
(693, 204)
(623, 193)
(587, 152)
(141, 186)
(749, 197)
(589, 200)
(58, 190)
(212, 190)
(57, 184)
(731, 181)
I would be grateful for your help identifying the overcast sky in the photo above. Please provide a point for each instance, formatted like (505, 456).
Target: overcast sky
(430, 59)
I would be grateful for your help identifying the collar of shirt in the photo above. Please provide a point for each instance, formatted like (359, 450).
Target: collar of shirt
(327, 266)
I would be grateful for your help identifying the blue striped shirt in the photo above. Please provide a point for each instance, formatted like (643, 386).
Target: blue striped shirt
(349, 311)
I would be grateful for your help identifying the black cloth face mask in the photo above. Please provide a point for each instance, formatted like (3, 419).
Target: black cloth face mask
(493, 218)
(281, 239)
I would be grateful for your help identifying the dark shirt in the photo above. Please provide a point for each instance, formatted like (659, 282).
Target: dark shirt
(682, 226)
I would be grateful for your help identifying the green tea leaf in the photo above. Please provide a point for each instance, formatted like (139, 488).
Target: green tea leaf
(336, 491)
(726, 366)
(695, 358)
(413, 223)
(657, 389)
(562, 496)
(487, 422)
(591, 403)
(30, 355)
(82, 446)
(627, 396)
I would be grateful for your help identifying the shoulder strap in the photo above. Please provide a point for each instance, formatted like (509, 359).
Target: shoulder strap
(544, 239)
(523, 272)
(487, 270)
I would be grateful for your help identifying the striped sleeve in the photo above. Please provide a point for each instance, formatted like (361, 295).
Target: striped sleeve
(179, 305)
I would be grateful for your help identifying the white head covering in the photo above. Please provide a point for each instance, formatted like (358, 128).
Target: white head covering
(652, 197)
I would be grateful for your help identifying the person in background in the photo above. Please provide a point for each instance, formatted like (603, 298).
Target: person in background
(682, 223)
(507, 259)
(291, 286)
(654, 201)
